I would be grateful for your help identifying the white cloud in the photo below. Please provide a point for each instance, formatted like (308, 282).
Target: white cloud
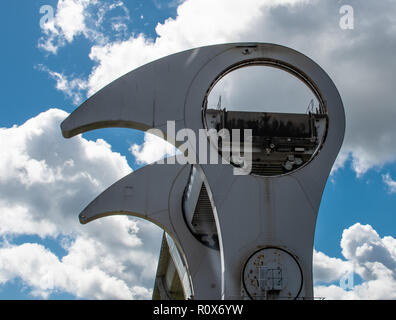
(153, 149)
(68, 22)
(362, 245)
(327, 269)
(74, 88)
(391, 184)
(50, 177)
(341, 160)
(46, 181)
(85, 18)
(70, 17)
(371, 257)
(40, 269)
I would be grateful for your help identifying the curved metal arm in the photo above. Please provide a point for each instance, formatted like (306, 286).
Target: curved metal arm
(144, 98)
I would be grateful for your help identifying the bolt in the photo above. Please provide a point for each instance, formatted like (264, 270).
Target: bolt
(246, 51)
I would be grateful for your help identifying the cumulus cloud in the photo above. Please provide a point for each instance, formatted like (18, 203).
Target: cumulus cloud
(46, 181)
(40, 165)
(73, 18)
(327, 269)
(45, 273)
(68, 22)
(368, 255)
(152, 149)
(90, 19)
(362, 245)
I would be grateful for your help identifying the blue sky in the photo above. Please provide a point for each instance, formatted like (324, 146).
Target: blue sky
(55, 67)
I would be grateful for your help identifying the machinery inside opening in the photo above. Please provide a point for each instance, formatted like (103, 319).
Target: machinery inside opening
(287, 120)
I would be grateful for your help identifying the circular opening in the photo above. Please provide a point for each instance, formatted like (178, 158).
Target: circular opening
(287, 119)
(272, 273)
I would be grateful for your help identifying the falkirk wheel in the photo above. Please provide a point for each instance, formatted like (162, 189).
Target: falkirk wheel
(241, 236)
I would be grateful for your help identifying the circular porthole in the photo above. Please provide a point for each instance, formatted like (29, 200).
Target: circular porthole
(272, 274)
(287, 118)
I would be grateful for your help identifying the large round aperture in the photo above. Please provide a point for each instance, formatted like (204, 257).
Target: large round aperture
(283, 110)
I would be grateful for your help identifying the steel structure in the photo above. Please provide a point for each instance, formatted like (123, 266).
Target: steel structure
(239, 236)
